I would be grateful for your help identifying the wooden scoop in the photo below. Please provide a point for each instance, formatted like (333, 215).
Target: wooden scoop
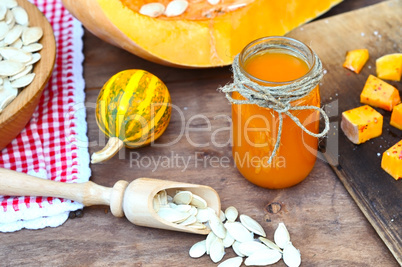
(134, 200)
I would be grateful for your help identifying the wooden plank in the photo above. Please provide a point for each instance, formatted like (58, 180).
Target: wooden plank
(377, 28)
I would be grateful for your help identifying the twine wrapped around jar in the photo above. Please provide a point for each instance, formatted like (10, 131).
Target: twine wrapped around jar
(277, 98)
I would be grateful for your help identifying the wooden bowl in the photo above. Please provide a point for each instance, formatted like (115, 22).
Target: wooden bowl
(17, 114)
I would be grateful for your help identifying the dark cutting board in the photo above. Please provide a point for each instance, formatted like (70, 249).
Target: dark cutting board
(379, 29)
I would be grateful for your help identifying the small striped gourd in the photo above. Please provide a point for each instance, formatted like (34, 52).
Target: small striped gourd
(133, 109)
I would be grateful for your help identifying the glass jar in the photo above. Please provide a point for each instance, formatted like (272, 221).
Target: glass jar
(272, 62)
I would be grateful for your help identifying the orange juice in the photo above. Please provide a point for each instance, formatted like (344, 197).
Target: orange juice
(255, 128)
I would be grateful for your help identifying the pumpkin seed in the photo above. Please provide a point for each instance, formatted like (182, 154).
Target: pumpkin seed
(23, 81)
(152, 10)
(31, 35)
(198, 202)
(193, 211)
(238, 231)
(35, 47)
(198, 249)
(228, 240)
(9, 19)
(156, 204)
(172, 215)
(232, 262)
(270, 244)
(197, 226)
(189, 220)
(281, 235)
(249, 247)
(15, 54)
(171, 205)
(291, 255)
(176, 8)
(183, 197)
(252, 225)
(17, 44)
(3, 30)
(20, 15)
(235, 247)
(182, 208)
(217, 250)
(15, 62)
(222, 216)
(231, 213)
(203, 215)
(217, 226)
(209, 240)
(213, 2)
(7, 94)
(13, 34)
(10, 3)
(35, 58)
(263, 257)
(163, 198)
(9, 67)
(3, 11)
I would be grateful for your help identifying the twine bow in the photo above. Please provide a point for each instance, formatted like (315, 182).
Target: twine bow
(277, 98)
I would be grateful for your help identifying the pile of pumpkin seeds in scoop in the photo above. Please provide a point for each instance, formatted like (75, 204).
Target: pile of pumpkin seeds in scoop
(245, 235)
(18, 50)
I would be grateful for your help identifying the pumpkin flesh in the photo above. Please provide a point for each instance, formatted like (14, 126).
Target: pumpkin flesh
(199, 37)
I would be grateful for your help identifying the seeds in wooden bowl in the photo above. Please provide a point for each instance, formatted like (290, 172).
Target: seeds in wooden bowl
(18, 50)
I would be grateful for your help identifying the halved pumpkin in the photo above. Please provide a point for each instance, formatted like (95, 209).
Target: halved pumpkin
(204, 35)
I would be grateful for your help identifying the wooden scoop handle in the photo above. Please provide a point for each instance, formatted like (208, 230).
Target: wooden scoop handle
(13, 183)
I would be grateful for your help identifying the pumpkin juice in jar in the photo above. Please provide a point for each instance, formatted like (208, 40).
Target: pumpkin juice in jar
(255, 128)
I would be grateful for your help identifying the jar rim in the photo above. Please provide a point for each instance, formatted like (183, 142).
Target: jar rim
(271, 38)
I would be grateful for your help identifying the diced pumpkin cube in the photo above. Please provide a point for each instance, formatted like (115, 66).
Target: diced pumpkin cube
(392, 161)
(378, 93)
(361, 124)
(389, 67)
(396, 117)
(355, 59)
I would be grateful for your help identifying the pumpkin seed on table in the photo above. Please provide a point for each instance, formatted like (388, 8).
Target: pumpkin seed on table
(258, 252)
(217, 250)
(263, 257)
(238, 235)
(252, 225)
(249, 247)
(281, 236)
(198, 249)
(232, 262)
(291, 255)
(238, 231)
(231, 213)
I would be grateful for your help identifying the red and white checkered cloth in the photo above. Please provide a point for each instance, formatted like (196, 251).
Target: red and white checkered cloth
(54, 143)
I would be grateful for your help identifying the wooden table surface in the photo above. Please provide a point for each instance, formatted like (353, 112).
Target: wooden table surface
(323, 220)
